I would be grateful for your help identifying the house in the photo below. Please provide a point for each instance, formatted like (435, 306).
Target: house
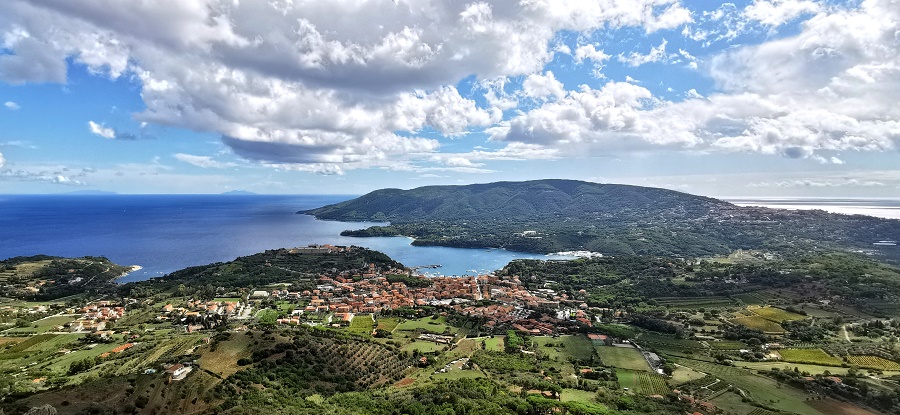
(178, 371)
(600, 339)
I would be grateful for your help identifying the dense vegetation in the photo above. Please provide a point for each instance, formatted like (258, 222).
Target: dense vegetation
(261, 269)
(561, 215)
(43, 277)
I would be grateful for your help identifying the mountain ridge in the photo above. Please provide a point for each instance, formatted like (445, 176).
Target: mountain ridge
(554, 215)
(538, 198)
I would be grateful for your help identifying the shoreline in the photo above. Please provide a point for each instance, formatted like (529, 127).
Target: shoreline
(133, 268)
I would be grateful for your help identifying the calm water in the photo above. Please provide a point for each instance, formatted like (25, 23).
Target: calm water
(166, 233)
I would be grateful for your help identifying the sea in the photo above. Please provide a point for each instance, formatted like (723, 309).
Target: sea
(882, 208)
(165, 233)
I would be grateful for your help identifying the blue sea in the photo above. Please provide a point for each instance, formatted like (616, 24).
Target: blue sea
(164, 233)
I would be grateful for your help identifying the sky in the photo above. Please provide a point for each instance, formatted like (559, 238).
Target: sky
(762, 98)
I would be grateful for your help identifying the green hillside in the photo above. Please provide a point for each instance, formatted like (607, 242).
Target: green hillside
(562, 215)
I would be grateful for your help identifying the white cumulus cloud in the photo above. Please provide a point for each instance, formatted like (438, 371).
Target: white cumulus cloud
(779, 12)
(101, 130)
(11, 105)
(326, 86)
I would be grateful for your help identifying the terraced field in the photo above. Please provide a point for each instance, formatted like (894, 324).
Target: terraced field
(658, 341)
(776, 314)
(811, 356)
(760, 388)
(759, 323)
(642, 382)
(727, 345)
(873, 362)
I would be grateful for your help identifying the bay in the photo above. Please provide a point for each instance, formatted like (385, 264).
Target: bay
(164, 233)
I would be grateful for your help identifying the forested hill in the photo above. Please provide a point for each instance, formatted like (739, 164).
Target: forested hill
(561, 215)
(524, 200)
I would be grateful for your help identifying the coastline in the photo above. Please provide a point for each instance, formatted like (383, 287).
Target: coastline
(131, 269)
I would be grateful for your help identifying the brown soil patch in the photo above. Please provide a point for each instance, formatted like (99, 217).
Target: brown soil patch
(405, 382)
(835, 407)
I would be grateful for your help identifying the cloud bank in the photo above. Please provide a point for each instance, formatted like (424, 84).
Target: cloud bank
(338, 85)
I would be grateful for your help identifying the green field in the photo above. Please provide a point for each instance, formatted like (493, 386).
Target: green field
(437, 325)
(810, 356)
(577, 395)
(623, 358)
(776, 314)
(563, 348)
(43, 325)
(727, 345)
(761, 389)
(684, 374)
(387, 324)
(29, 342)
(662, 342)
(873, 362)
(495, 343)
(457, 374)
(642, 382)
(424, 346)
(759, 323)
(803, 367)
(362, 324)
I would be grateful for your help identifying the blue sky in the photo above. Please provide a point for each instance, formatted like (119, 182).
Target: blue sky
(758, 98)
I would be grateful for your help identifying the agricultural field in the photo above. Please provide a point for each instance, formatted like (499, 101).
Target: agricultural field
(759, 388)
(776, 314)
(683, 374)
(577, 395)
(759, 323)
(623, 358)
(642, 382)
(433, 325)
(43, 325)
(28, 343)
(727, 345)
(424, 346)
(659, 341)
(387, 324)
(811, 356)
(803, 367)
(835, 407)
(873, 362)
(495, 343)
(362, 324)
(563, 348)
(223, 361)
(732, 403)
(6, 341)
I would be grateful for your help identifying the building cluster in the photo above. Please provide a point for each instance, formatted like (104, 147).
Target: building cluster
(198, 308)
(96, 315)
(512, 305)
